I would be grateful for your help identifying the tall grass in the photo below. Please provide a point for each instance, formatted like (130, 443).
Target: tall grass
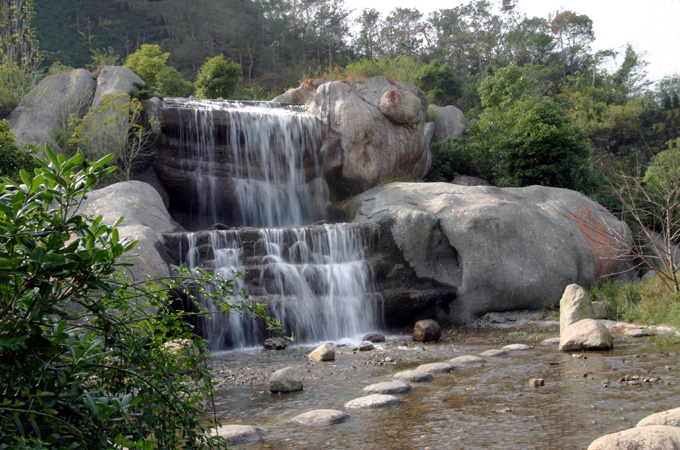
(647, 302)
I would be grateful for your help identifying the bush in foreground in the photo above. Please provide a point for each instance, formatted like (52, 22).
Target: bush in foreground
(84, 360)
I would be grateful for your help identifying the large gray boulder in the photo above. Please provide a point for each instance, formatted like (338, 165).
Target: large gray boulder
(449, 121)
(575, 305)
(364, 143)
(113, 79)
(669, 417)
(48, 106)
(145, 220)
(502, 249)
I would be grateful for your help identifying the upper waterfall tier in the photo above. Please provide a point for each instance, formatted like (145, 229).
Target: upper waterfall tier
(254, 164)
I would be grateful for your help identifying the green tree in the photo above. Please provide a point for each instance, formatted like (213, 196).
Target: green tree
(440, 82)
(84, 362)
(217, 78)
(151, 64)
(527, 140)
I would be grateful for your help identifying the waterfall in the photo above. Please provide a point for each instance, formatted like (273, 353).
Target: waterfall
(251, 164)
(258, 166)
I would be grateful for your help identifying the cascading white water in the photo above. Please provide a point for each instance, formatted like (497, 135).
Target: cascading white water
(314, 279)
(258, 153)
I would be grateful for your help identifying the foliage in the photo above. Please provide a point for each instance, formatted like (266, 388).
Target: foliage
(13, 158)
(648, 302)
(83, 355)
(451, 158)
(217, 78)
(651, 206)
(19, 56)
(401, 69)
(102, 58)
(115, 126)
(15, 83)
(440, 82)
(527, 140)
(151, 64)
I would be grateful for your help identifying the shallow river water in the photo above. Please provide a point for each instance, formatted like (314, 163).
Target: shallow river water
(485, 407)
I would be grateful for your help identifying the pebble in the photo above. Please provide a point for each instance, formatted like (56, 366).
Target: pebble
(536, 382)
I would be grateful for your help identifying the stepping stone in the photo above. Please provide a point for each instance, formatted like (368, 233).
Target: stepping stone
(438, 367)
(495, 353)
(372, 401)
(516, 347)
(467, 360)
(240, 434)
(321, 417)
(414, 376)
(638, 333)
(388, 387)
(551, 341)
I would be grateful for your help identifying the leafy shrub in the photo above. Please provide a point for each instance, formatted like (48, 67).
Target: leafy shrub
(83, 355)
(451, 158)
(217, 78)
(12, 157)
(151, 64)
(440, 82)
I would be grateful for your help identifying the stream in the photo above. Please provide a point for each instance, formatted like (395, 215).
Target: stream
(486, 407)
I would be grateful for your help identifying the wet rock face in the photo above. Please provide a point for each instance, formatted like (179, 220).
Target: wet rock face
(502, 249)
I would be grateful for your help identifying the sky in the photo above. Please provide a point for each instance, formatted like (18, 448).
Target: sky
(650, 26)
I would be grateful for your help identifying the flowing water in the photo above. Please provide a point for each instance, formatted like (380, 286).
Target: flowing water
(490, 407)
(258, 165)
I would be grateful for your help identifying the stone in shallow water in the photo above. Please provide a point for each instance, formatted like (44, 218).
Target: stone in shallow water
(325, 352)
(240, 434)
(273, 344)
(494, 353)
(467, 360)
(388, 387)
(438, 367)
(516, 347)
(586, 334)
(551, 341)
(374, 337)
(639, 332)
(285, 380)
(366, 346)
(415, 376)
(426, 330)
(372, 401)
(321, 417)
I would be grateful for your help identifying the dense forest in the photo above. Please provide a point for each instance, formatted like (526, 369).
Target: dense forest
(278, 43)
